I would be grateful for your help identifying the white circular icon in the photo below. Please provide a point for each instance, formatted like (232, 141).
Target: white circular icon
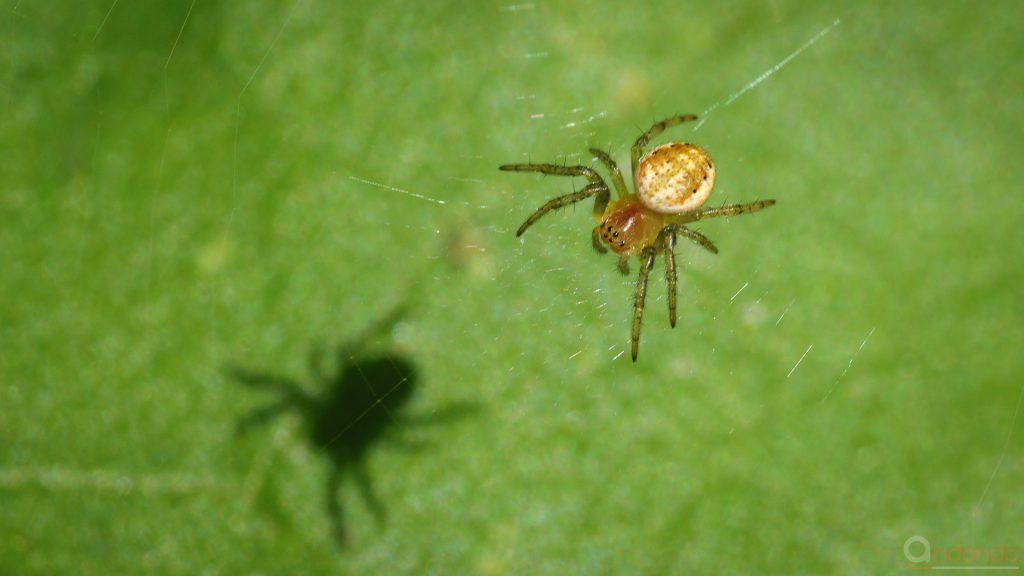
(926, 549)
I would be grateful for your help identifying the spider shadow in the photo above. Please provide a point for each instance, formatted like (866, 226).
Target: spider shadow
(359, 405)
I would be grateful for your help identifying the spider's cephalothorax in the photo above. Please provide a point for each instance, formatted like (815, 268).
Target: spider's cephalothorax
(627, 224)
(671, 181)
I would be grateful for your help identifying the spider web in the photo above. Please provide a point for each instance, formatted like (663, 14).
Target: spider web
(568, 123)
(576, 122)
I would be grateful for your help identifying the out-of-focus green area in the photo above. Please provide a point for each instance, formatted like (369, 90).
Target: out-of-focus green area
(203, 200)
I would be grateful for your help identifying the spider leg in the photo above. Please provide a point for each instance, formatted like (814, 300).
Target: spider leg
(595, 237)
(732, 209)
(697, 237)
(555, 203)
(669, 242)
(646, 262)
(624, 264)
(556, 170)
(597, 186)
(658, 128)
(613, 169)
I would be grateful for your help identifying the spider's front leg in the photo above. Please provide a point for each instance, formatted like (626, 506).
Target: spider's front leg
(600, 190)
(595, 240)
(624, 264)
(646, 263)
(555, 170)
(597, 187)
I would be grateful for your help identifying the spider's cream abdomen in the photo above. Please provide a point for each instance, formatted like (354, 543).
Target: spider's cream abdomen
(674, 178)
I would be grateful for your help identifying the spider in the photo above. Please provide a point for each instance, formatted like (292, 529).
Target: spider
(672, 182)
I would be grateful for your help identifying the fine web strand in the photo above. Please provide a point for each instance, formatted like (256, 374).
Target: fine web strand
(399, 190)
(256, 472)
(1002, 455)
(214, 287)
(377, 402)
(160, 170)
(103, 23)
(63, 479)
(783, 315)
(848, 365)
(753, 83)
(797, 365)
(180, 32)
(742, 288)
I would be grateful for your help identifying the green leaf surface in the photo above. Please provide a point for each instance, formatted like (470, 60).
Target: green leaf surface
(262, 309)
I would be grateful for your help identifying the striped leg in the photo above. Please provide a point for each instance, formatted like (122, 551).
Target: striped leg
(658, 128)
(555, 203)
(646, 263)
(732, 209)
(597, 187)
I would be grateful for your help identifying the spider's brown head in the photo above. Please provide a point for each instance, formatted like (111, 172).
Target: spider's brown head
(674, 178)
(628, 226)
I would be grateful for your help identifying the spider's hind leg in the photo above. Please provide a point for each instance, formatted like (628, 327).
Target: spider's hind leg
(697, 238)
(646, 263)
(668, 242)
(658, 128)
(732, 209)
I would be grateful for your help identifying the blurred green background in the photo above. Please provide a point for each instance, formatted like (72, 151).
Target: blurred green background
(199, 197)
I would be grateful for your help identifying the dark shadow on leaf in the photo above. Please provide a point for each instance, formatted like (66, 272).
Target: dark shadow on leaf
(347, 412)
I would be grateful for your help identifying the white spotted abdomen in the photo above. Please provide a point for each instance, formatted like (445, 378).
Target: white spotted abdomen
(674, 178)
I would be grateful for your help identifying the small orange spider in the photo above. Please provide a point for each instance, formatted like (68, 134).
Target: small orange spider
(672, 182)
